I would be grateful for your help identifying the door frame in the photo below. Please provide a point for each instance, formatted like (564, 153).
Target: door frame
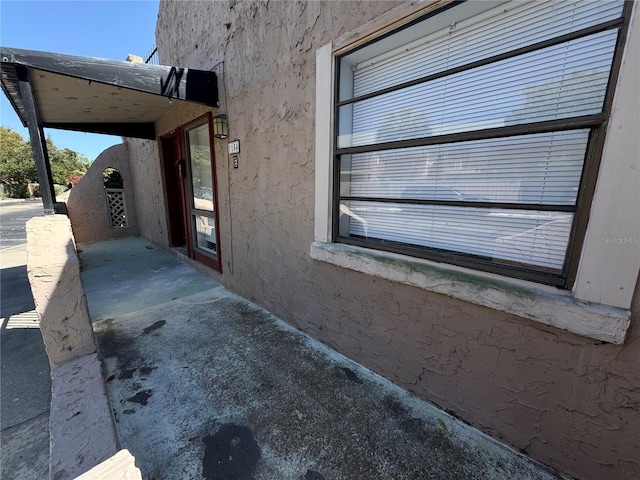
(184, 215)
(174, 188)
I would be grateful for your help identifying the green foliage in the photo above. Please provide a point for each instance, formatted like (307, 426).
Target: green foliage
(17, 167)
(112, 178)
(65, 162)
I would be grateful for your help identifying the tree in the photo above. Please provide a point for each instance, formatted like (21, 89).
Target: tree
(17, 167)
(112, 178)
(65, 162)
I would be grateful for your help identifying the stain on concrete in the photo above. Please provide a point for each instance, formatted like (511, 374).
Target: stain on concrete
(232, 453)
(351, 375)
(141, 397)
(111, 344)
(126, 374)
(313, 475)
(129, 411)
(393, 406)
(60, 475)
(155, 326)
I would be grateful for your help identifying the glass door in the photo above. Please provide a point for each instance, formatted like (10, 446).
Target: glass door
(203, 216)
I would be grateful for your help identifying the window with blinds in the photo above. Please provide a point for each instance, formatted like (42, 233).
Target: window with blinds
(467, 136)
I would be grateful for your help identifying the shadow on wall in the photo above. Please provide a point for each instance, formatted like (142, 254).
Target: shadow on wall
(102, 205)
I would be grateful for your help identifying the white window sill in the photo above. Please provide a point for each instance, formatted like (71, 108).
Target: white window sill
(540, 303)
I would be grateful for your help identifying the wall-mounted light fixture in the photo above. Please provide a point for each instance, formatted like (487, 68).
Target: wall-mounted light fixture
(220, 126)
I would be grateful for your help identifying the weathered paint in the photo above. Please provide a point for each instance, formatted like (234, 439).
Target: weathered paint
(566, 400)
(542, 303)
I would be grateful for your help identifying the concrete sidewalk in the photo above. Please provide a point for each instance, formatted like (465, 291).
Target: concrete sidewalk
(25, 382)
(210, 386)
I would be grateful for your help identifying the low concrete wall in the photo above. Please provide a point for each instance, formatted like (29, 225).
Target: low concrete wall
(81, 424)
(87, 203)
(119, 467)
(82, 428)
(54, 274)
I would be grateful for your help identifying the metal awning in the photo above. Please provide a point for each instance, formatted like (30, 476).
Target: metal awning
(87, 94)
(98, 95)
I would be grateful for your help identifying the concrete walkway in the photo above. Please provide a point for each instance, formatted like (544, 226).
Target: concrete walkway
(210, 386)
(130, 274)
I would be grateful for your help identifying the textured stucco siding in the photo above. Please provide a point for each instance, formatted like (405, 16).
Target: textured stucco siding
(87, 203)
(565, 400)
(150, 202)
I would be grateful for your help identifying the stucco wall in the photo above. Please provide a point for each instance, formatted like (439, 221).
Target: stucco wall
(147, 178)
(565, 400)
(87, 203)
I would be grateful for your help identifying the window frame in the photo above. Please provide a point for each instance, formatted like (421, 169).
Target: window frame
(597, 123)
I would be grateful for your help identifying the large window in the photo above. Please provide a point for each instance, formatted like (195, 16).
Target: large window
(473, 136)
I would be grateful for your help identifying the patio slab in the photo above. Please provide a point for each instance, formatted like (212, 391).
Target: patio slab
(211, 386)
(128, 274)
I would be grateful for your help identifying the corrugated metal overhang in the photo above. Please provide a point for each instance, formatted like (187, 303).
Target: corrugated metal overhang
(101, 96)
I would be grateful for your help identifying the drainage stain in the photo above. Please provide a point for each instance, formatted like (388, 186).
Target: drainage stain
(155, 326)
(232, 453)
(141, 397)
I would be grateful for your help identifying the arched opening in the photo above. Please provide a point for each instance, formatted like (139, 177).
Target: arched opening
(112, 178)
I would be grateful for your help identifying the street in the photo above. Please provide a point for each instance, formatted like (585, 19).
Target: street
(25, 375)
(13, 215)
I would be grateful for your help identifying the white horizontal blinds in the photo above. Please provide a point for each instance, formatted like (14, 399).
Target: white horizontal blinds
(526, 171)
(563, 81)
(504, 28)
(542, 169)
(524, 237)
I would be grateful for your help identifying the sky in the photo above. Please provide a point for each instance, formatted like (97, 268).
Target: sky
(107, 29)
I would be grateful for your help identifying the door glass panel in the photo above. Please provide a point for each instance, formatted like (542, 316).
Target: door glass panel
(203, 214)
(205, 233)
(201, 175)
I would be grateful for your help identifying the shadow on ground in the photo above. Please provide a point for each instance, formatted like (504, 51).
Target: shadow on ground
(25, 381)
